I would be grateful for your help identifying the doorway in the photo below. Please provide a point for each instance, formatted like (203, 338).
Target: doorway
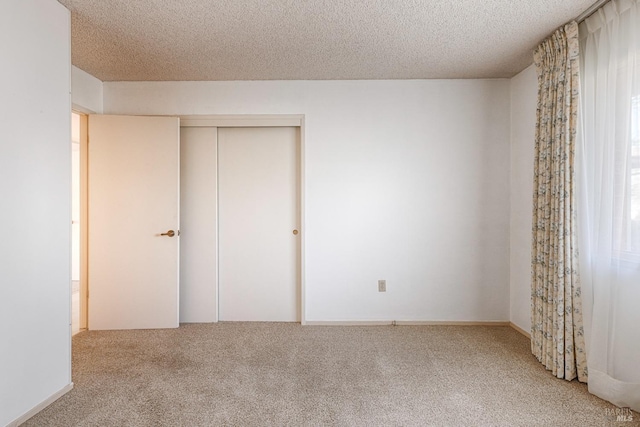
(78, 222)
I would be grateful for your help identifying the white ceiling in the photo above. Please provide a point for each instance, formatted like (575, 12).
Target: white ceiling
(119, 40)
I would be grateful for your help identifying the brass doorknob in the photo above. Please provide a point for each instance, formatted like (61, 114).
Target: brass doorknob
(295, 231)
(169, 233)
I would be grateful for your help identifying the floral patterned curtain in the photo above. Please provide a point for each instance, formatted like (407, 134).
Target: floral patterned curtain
(557, 334)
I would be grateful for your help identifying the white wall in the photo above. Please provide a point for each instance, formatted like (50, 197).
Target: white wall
(406, 181)
(86, 91)
(523, 121)
(35, 184)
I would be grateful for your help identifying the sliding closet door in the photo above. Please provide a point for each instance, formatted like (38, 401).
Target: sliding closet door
(258, 217)
(198, 223)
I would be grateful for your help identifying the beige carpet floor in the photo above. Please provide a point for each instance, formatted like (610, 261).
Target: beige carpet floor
(273, 374)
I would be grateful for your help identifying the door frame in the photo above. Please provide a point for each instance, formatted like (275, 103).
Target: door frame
(84, 217)
(84, 212)
(263, 120)
(84, 221)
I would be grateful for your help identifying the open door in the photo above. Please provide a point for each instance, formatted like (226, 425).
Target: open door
(133, 222)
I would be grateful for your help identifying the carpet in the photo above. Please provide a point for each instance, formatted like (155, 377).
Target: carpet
(285, 374)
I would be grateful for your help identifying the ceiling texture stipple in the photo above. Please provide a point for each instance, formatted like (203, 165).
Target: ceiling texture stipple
(160, 40)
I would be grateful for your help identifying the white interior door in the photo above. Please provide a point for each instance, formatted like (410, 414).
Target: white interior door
(133, 199)
(258, 211)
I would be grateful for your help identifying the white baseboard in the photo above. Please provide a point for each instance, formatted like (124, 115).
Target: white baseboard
(347, 323)
(402, 323)
(48, 401)
(519, 329)
(451, 323)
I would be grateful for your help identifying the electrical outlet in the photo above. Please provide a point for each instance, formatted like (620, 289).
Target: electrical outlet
(382, 286)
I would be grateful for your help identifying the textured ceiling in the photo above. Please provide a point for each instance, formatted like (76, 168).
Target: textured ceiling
(118, 40)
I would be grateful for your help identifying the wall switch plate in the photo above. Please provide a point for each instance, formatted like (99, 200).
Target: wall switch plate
(382, 286)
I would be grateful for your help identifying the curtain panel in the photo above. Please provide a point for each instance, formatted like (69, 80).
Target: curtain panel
(608, 158)
(557, 333)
